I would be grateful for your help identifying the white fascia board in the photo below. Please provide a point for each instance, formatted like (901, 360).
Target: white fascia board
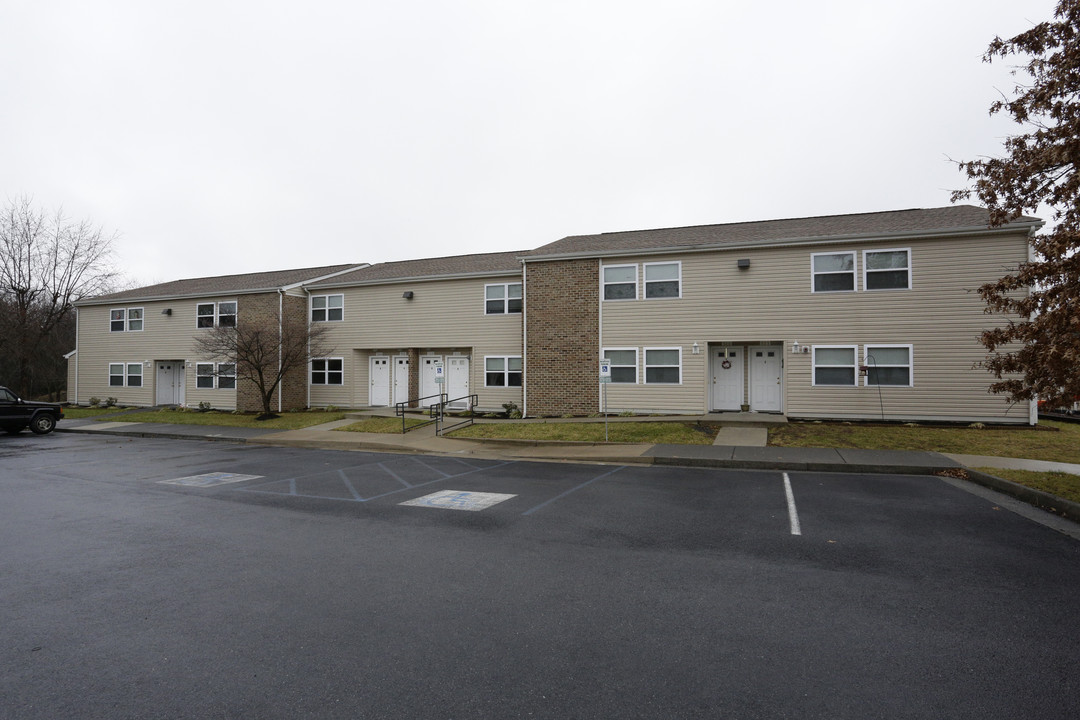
(158, 298)
(415, 279)
(303, 283)
(1012, 228)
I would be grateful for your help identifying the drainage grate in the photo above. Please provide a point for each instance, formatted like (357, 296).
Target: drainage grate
(210, 479)
(459, 500)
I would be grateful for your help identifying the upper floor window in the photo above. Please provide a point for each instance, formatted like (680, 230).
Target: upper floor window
(126, 319)
(328, 371)
(834, 365)
(502, 298)
(663, 280)
(220, 314)
(833, 272)
(888, 365)
(620, 282)
(887, 269)
(327, 308)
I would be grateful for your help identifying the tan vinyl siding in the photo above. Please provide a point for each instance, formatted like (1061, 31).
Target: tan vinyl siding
(771, 301)
(163, 337)
(442, 317)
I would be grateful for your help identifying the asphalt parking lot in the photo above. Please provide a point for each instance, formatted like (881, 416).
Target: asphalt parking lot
(170, 578)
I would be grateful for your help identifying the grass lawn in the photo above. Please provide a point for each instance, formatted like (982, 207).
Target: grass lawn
(287, 421)
(679, 433)
(1056, 441)
(1064, 485)
(389, 425)
(75, 413)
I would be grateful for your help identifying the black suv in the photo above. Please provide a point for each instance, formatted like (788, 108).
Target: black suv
(16, 414)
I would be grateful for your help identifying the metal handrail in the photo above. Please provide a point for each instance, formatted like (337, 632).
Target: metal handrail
(401, 407)
(440, 425)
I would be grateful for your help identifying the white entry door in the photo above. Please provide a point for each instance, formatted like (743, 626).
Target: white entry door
(401, 379)
(428, 387)
(457, 380)
(765, 375)
(169, 382)
(727, 378)
(379, 386)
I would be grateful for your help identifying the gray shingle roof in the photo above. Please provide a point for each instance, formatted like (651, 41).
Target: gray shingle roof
(221, 285)
(485, 263)
(954, 218)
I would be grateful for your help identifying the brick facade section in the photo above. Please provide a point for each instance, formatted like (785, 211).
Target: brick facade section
(263, 309)
(562, 363)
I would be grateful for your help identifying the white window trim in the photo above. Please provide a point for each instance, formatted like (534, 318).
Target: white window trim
(645, 281)
(212, 376)
(645, 365)
(128, 375)
(505, 298)
(604, 284)
(124, 373)
(217, 313)
(127, 319)
(505, 371)
(866, 272)
(311, 307)
(637, 364)
(910, 366)
(814, 365)
(854, 272)
(326, 372)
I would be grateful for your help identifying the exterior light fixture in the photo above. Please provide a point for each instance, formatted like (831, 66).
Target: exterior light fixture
(407, 294)
(744, 264)
(167, 311)
(696, 349)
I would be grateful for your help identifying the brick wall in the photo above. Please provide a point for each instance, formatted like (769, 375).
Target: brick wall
(562, 358)
(263, 310)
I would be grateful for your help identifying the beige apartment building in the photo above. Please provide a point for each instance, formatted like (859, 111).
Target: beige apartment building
(870, 316)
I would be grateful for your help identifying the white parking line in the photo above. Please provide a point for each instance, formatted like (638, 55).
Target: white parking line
(793, 514)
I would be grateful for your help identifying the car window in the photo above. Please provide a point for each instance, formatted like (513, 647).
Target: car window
(7, 395)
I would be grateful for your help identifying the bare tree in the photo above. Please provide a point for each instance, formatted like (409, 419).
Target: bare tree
(47, 262)
(265, 351)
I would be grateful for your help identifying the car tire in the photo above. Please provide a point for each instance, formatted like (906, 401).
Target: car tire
(42, 423)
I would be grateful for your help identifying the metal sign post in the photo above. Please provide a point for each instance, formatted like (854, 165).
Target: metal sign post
(605, 380)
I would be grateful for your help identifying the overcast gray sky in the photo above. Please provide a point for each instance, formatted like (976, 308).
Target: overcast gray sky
(225, 137)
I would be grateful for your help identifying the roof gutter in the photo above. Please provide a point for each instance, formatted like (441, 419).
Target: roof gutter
(412, 278)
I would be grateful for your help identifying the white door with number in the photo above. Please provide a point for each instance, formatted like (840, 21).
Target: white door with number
(379, 388)
(169, 382)
(401, 379)
(457, 380)
(428, 387)
(766, 368)
(727, 378)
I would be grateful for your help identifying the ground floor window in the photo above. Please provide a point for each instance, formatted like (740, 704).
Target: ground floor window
(125, 374)
(663, 366)
(502, 371)
(835, 365)
(328, 371)
(222, 376)
(888, 365)
(623, 364)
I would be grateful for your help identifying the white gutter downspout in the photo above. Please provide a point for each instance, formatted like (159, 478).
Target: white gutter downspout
(600, 328)
(280, 336)
(524, 343)
(76, 357)
(1033, 404)
(307, 328)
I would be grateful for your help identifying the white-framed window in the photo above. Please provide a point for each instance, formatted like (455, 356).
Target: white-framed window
(220, 314)
(619, 281)
(501, 298)
(221, 376)
(204, 376)
(327, 308)
(835, 365)
(623, 365)
(125, 374)
(126, 320)
(328, 371)
(502, 371)
(663, 366)
(663, 279)
(887, 269)
(832, 272)
(888, 365)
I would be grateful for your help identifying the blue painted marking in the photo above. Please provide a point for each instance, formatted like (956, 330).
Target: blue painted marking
(344, 479)
(393, 474)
